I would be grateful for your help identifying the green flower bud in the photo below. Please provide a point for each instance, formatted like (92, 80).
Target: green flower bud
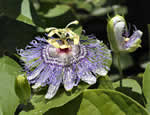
(118, 35)
(22, 88)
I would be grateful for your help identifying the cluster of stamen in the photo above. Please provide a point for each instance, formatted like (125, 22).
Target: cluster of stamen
(63, 35)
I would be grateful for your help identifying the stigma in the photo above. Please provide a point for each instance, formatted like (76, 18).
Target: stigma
(65, 50)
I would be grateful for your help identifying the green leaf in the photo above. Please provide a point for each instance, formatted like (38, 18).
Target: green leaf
(25, 15)
(131, 88)
(101, 11)
(117, 9)
(130, 83)
(25, 9)
(41, 105)
(105, 82)
(9, 69)
(60, 19)
(109, 102)
(57, 11)
(122, 10)
(68, 1)
(84, 5)
(25, 19)
(70, 108)
(99, 2)
(146, 88)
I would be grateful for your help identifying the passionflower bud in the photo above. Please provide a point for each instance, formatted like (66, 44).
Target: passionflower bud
(118, 35)
(22, 88)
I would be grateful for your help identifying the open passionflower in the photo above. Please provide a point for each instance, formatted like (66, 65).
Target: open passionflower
(119, 37)
(64, 58)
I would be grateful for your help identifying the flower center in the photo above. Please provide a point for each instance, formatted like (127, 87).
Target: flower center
(65, 50)
(63, 56)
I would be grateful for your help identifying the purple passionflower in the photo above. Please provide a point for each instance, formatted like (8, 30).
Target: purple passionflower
(55, 61)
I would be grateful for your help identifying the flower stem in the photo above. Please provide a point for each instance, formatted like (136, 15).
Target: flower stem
(148, 25)
(119, 68)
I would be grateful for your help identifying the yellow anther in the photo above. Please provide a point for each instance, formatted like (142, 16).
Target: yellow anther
(73, 22)
(126, 39)
(53, 42)
(52, 33)
(62, 35)
(49, 29)
(76, 40)
(64, 46)
(74, 36)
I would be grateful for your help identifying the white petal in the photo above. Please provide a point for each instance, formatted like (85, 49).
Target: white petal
(36, 85)
(118, 29)
(101, 72)
(36, 72)
(88, 78)
(52, 90)
(68, 81)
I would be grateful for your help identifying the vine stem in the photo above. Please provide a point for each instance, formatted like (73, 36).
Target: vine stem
(148, 26)
(119, 68)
